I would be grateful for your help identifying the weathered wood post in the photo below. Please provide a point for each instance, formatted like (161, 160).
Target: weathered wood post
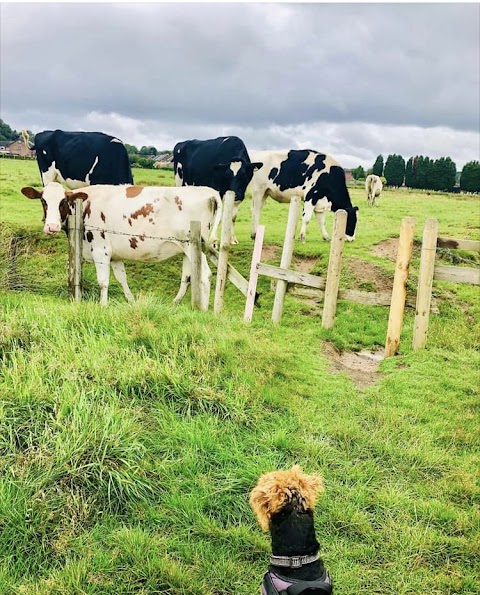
(286, 259)
(196, 263)
(252, 282)
(334, 269)
(399, 291)
(425, 282)
(75, 235)
(222, 268)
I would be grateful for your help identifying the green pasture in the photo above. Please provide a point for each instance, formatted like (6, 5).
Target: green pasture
(130, 436)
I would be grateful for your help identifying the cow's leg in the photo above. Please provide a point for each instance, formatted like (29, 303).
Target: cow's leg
(321, 221)
(308, 209)
(185, 282)
(236, 205)
(258, 202)
(102, 266)
(118, 269)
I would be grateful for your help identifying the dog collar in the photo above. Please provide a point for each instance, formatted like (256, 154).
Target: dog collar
(275, 584)
(293, 561)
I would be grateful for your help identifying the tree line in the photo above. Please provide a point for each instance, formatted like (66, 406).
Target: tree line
(143, 157)
(424, 173)
(418, 172)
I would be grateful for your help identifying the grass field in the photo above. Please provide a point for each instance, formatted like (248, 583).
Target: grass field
(130, 436)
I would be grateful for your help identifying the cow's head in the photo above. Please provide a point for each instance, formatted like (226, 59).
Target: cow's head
(351, 223)
(235, 176)
(56, 204)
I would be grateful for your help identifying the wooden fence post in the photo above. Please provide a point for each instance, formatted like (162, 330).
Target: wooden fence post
(425, 282)
(399, 291)
(286, 259)
(222, 268)
(334, 269)
(196, 263)
(75, 235)
(252, 282)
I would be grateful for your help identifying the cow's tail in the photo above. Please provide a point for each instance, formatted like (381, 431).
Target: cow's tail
(216, 208)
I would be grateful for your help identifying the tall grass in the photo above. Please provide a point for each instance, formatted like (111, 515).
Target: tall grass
(130, 436)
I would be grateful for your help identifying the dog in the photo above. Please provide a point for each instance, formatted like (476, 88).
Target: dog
(283, 502)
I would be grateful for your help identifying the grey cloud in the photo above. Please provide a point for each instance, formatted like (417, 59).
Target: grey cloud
(353, 79)
(261, 64)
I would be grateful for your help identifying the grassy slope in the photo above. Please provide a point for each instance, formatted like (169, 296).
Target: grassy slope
(130, 437)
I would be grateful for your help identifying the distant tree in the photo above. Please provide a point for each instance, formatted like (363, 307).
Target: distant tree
(443, 174)
(394, 170)
(377, 168)
(131, 149)
(358, 173)
(470, 178)
(148, 151)
(424, 172)
(6, 133)
(145, 163)
(411, 173)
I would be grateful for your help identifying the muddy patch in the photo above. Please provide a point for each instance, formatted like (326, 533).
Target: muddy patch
(304, 264)
(386, 249)
(361, 367)
(269, 253)
(369, 276)
(389, 248)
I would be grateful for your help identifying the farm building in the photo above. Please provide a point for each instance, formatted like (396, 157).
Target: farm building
(16, 147)
(163, 160)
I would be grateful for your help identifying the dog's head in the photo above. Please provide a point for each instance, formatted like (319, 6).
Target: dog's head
(279, 489)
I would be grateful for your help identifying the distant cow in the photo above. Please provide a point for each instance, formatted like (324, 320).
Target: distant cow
(135, 223)
(373, 187)
(77, 159)
(221, 163)
(315, 177)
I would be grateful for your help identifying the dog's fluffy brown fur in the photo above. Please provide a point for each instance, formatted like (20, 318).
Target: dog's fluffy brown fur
(277, 489)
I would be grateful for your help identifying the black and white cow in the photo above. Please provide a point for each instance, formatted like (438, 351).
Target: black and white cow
(78, 159)
(221, 163)
(315, 177)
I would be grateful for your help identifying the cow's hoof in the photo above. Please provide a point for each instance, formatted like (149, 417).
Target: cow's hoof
(327, 239)
(233, 242)
(301, 239)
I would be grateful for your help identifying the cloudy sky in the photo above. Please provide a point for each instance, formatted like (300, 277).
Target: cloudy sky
(354, 80)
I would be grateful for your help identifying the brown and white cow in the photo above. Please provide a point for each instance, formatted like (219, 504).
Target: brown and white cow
(135, 223)
(373, 187)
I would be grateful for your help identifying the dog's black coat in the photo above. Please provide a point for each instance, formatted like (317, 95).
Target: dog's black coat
(293, 534)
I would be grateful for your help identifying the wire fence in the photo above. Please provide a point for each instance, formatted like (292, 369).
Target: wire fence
(16, 248)
(19, 249)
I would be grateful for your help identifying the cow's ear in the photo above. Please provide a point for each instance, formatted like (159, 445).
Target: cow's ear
(257, 165)
(30, 192)
(72, 196)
